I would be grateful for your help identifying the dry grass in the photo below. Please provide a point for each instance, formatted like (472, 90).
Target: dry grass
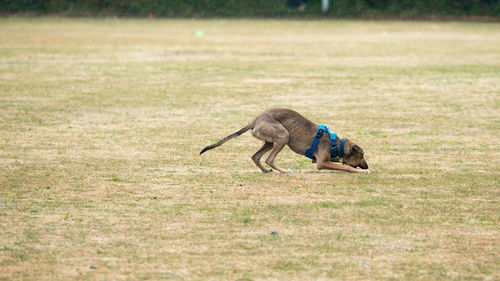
(101, 122)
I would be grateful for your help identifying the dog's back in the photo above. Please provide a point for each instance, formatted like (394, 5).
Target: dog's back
(301, 130)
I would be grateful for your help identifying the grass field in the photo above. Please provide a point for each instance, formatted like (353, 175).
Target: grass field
(102, 120)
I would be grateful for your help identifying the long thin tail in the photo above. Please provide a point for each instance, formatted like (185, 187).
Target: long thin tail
(240, 132)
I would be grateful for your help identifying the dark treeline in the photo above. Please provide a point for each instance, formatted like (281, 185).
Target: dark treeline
(253, 8)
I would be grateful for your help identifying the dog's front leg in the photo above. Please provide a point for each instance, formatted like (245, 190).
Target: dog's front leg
(340, 167)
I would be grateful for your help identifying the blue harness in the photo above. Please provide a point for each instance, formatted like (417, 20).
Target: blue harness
(334, 150)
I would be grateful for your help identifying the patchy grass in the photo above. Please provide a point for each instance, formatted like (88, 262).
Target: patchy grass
(101, 122)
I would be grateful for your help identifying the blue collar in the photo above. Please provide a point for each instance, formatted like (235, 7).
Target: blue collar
(334, 149)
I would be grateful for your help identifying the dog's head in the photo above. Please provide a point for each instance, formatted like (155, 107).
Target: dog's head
(356, 157)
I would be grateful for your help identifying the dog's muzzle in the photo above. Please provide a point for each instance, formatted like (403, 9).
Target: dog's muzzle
(363, 166)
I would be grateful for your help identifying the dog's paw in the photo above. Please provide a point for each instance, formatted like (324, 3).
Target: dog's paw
(268, 171)
(288, 172)
(366, 172)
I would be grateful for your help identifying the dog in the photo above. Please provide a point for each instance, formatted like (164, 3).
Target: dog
(279, 127)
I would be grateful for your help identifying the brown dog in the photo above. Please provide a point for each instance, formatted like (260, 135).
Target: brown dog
(279, 127)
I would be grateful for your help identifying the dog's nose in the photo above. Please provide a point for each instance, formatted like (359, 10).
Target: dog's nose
(363, 166)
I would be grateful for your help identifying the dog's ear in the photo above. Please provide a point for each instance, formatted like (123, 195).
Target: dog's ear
(357, 148)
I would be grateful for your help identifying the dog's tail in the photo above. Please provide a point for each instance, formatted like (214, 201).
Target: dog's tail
(240, 132)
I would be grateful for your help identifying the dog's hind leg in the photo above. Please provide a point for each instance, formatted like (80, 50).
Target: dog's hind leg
(273, 132)
(256, 157)
(277, 147)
